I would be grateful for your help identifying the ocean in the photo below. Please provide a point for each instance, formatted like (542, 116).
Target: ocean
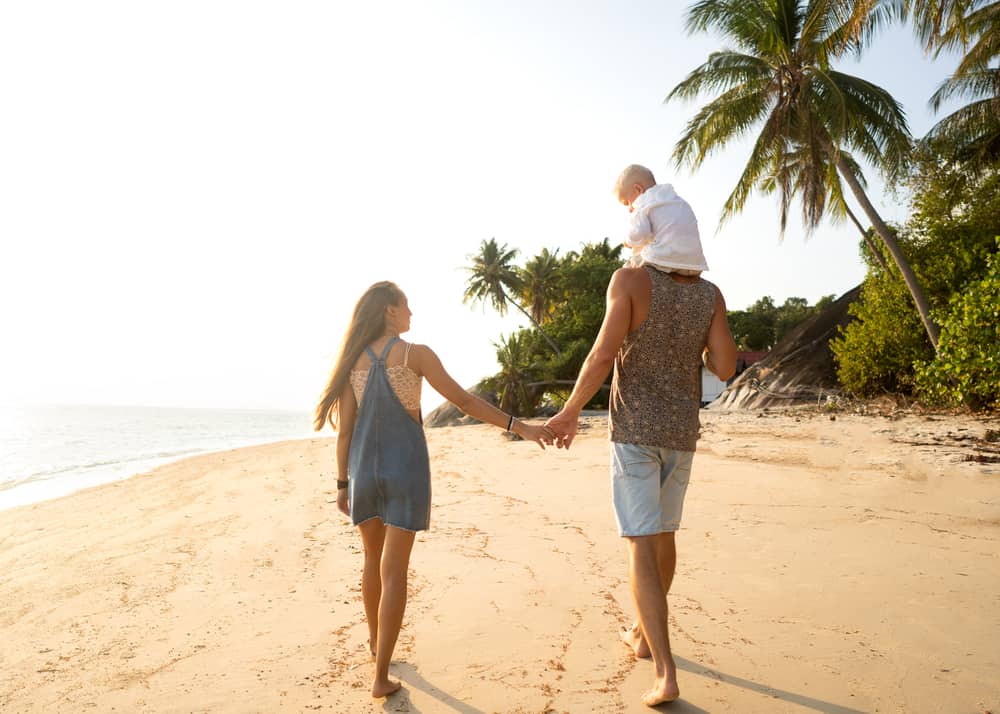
(50, 451)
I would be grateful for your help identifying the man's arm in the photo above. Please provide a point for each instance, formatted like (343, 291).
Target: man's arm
(617, 318)
(720, 353)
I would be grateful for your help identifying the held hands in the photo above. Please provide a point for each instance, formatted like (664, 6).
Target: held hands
(559, 430)
(564, 425)
(538, 433)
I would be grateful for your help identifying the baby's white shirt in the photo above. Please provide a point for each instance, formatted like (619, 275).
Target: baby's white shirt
(663, 231)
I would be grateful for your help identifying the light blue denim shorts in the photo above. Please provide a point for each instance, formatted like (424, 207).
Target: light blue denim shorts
(648, 486)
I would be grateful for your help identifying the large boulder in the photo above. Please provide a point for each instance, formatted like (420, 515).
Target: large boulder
(799, 369)
(449, 415)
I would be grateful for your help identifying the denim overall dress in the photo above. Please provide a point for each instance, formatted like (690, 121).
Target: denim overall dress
(388, 463)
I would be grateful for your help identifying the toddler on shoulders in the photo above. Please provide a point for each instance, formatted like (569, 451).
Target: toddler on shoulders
(663, 231)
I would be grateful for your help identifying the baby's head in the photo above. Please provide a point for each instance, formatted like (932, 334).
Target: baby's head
(631, 184)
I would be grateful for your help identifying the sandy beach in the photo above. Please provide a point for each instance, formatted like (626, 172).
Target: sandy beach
(837, 566)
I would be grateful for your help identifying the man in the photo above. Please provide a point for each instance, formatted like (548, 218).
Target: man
(658, 330)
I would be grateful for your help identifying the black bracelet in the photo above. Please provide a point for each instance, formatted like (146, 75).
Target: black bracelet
(341, 483)
(510, 422)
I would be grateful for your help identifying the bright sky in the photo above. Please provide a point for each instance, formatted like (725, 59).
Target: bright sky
(193, 195)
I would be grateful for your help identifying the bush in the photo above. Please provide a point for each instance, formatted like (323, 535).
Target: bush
(967, 368)
(949, 240)
(876, 352)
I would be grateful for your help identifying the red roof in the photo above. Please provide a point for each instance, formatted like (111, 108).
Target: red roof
(750, 358)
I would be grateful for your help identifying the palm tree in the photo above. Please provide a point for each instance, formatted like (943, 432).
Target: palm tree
(539, 284)
(931, 19)
(977, 32)
(512, 381)
(493, 278)
(975, 128)
(780, 77)
(972, 26)
(815, 180)
(603, 250)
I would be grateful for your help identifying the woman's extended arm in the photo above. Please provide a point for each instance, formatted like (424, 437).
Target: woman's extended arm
(431, 368)
(347, 409)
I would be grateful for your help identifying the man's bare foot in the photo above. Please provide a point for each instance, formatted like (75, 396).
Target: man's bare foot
(632, 636)
(384, 688)
(664, 690)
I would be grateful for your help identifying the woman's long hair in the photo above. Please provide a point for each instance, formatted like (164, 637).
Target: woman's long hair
(367, 325)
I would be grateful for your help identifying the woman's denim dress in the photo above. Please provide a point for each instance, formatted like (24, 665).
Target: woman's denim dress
(388, 464)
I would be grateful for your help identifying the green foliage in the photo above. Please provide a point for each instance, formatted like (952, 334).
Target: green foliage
(949, 240)
(539, 283)
(578, 311)
(567, 297)
(764, 324)
(492, 276)
(967, 368)
(812, 123)
(581, 284)
(876, 353)
(973, 129)
(517, 372)
(778, 83)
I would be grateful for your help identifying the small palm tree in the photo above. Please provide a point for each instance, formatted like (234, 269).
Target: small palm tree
(493, 275)
(494, 278)
(539, 284)
(516, 373)
(779, 77)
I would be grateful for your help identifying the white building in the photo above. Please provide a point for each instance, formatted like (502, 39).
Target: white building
(712, 386)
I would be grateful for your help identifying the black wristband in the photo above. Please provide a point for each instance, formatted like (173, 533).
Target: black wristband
(510, 422)
(341, 483)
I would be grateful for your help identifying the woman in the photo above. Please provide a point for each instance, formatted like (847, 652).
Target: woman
(372, 400)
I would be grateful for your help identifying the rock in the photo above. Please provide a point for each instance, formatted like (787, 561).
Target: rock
(800, 368)
(449, 415)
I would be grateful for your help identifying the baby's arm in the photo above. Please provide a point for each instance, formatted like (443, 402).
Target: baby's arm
(640, 231)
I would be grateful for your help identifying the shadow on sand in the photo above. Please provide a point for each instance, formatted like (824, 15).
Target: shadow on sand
(780, 694)
(680, 706)
(409, 675)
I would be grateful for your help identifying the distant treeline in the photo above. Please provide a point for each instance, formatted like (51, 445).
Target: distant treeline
(763, 325)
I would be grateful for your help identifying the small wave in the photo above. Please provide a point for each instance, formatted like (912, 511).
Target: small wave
(48, 474)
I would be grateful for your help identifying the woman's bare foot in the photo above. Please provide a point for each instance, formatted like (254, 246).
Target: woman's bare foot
(384, 688)
(632, 636)
(371, 648)
(664, 690)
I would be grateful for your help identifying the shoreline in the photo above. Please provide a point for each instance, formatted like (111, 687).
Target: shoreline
(831, 565)
(53, 451)
(104, 479)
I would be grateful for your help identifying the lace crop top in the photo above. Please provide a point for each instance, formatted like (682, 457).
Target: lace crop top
(403, 380)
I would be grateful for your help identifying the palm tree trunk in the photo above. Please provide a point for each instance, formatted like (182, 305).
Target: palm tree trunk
(868, 240)
(923, 308)
(538, 327)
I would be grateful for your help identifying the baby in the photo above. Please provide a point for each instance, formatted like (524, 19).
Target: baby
(663, 231)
